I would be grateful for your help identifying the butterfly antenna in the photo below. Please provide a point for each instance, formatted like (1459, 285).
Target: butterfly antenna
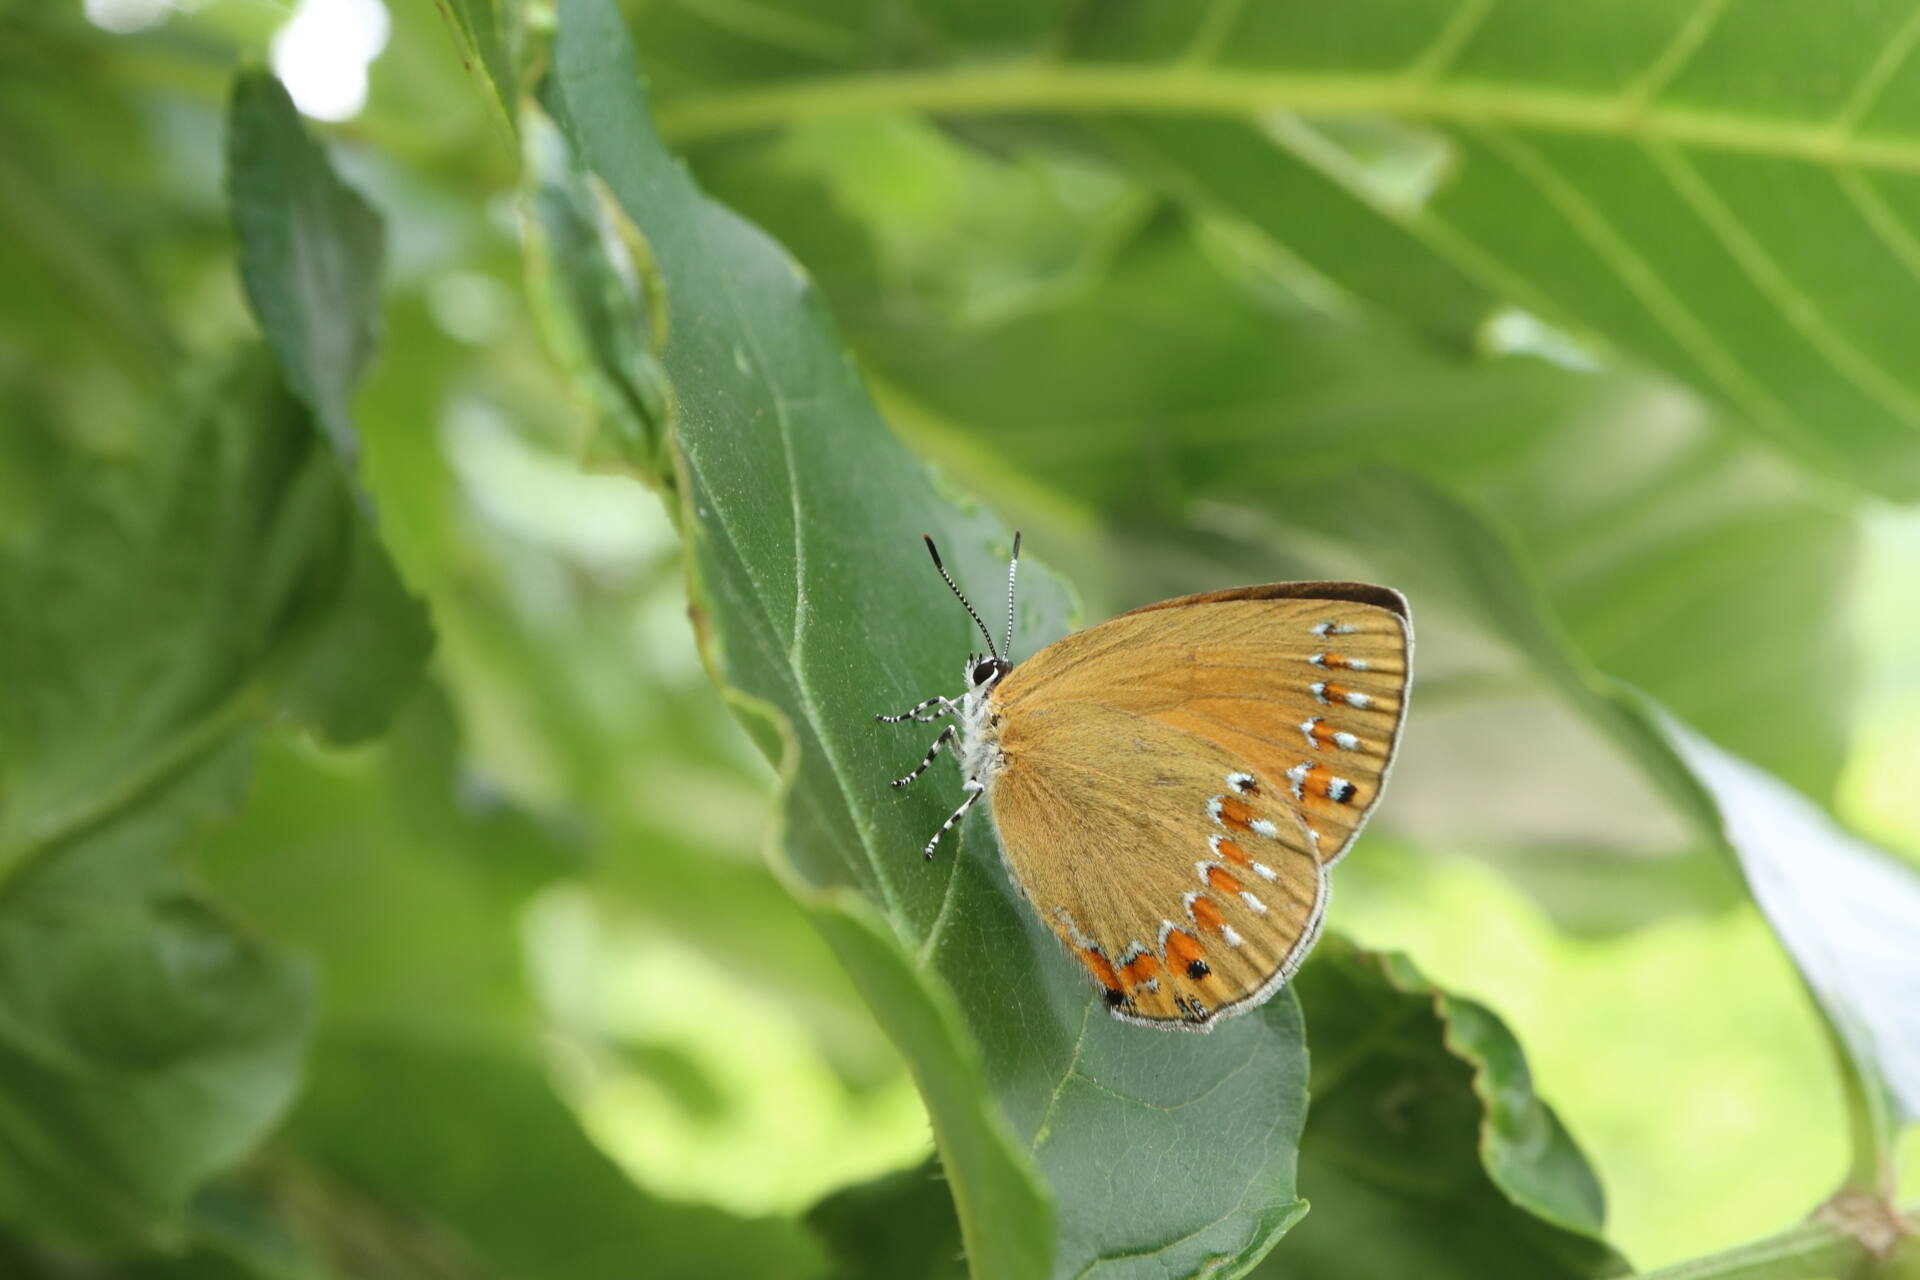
(935, 553)
(1013, 571)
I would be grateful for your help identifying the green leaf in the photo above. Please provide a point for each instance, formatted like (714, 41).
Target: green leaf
(1724, 192)
(1427, 1152)
(592, 278)
(899, 1225)
(310, 252)
(146, 1043)
(801, 514)
(426, 1029)
(487, 32)
(167, 597)
(398, 1117)
(171, 595)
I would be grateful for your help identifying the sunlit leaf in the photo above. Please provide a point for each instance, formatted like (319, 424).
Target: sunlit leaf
(1847, 913)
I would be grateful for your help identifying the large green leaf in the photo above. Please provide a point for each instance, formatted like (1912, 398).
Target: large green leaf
(1723, 191)
(801, 513)
(1427, 1151)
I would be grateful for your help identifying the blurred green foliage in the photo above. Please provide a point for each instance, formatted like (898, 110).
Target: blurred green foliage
(388, 888)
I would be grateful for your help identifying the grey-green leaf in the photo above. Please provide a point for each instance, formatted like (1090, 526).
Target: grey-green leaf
(1848, 914)
(811, 588)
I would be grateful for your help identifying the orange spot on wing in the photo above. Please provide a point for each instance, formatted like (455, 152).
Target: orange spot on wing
(1333, 660)
(1220, 882)
(1140, 968)
(1337, 693)
(1100, 967)
(1235, 813)
(1322, 735)
(1233, 853)
(1207, 916)
(1182, 950)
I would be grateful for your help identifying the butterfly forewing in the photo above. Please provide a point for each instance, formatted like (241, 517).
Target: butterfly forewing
(1175, 780)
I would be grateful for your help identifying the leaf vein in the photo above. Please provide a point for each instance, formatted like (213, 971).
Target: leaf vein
(1795, 307)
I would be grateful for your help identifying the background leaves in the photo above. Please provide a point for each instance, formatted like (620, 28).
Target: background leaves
(1430, 296)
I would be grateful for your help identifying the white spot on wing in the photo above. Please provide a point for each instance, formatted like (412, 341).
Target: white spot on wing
(1264, 871)
(1331, 627)
(1213, 807)
(1339, 789)
(1357, 699)
(1228, 936)
(1307, 727)
(1319, 689)
(1265, 828)
(1253, 902)
(1346, 742)
(1241, 782)
(1298, 777)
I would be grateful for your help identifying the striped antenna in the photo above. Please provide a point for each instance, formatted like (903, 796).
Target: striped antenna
(1013, 571)
(935, 553)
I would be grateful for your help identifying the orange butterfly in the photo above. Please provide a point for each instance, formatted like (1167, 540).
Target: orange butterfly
(1170, 787)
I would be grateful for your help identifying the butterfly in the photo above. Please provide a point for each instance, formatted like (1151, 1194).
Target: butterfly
(1170, 787)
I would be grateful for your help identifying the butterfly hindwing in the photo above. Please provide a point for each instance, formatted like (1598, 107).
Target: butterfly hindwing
(1167, 881)
(1174, 782)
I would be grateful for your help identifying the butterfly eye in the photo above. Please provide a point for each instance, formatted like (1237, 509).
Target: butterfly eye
(984, 671)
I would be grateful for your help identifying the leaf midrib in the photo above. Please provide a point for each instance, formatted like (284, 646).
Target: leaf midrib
(1210, 91)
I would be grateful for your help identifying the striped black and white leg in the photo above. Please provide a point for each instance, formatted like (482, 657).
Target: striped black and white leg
(946, 736)
(974, 791)
(918, 714)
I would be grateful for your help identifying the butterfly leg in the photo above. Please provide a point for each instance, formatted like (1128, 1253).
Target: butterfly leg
(946, 736)
(974, 791)
(918, 714)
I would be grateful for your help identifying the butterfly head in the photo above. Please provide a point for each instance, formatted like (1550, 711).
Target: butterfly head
(984, 671)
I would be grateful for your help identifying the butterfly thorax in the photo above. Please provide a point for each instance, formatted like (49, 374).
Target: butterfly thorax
(980, 755)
